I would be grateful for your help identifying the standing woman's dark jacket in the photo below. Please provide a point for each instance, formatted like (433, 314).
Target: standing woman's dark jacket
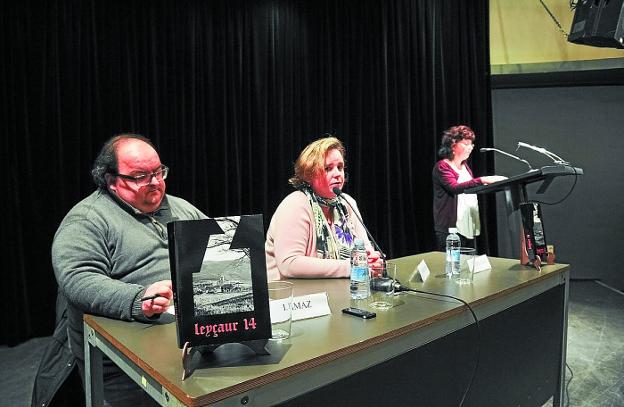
(445, 191)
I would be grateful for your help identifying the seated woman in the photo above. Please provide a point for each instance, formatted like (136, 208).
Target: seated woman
(452, 208)
(312, 230)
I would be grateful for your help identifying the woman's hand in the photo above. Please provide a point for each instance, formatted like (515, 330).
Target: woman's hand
(375, 263)
(490, 179)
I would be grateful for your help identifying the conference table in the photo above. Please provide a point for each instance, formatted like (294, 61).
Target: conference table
(426, 350)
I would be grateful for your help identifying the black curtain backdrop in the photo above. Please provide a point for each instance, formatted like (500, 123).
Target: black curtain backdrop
(230, 92)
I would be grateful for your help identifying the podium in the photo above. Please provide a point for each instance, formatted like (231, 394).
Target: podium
(515, 189)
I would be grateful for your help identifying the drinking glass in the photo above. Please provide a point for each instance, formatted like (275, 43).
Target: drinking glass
(466, 265)
(280, 305)
(387, 298)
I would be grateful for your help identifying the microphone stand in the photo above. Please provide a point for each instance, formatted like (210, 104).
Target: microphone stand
(484, 149)
(338, 193)
(556, 159)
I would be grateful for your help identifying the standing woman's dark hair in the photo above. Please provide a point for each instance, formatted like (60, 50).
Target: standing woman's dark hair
(106, 161)
(451, 136)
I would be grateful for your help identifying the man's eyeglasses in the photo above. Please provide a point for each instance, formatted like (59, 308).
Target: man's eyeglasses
(145, 179)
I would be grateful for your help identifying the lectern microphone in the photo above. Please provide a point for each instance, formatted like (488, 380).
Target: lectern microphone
(542, 150)
(485, 149)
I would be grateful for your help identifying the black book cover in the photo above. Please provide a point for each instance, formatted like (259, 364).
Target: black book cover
(218, 271)
(533, 229)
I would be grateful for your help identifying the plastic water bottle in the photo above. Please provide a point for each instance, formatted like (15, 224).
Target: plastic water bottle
(360, 278)
(452, 253)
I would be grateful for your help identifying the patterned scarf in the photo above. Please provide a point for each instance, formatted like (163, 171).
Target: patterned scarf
(331, 243)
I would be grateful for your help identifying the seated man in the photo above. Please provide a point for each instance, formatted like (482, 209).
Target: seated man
(112, 249)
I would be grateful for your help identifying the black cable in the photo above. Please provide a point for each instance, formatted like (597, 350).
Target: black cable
(386, 284)
(478, 353)
(567, 392)
(562, 199)
(552, 16)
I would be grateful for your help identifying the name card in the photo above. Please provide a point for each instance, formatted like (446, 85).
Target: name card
(481, 263)
(421, 272)
(310, 306)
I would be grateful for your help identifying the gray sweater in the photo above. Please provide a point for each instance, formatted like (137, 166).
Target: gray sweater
(105, 254)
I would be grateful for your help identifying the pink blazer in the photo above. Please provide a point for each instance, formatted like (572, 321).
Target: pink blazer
(290, 245)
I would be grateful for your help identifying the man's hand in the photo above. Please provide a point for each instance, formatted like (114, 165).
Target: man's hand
(159, 304)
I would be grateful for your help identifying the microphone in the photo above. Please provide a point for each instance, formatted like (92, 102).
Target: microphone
(485, 149)
(556, 159)
(338, 192)
(386, 285)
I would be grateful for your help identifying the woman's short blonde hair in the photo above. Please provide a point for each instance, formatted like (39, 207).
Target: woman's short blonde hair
(311, 161)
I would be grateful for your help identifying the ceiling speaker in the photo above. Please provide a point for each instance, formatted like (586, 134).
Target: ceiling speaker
(598, 23)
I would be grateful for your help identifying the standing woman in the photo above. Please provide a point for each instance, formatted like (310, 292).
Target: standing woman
(312, 230)
(452, 208)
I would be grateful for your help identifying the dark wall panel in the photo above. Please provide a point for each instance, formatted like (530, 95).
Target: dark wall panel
(584, 125)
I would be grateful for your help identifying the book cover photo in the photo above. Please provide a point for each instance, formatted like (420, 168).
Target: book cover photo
(218, 271)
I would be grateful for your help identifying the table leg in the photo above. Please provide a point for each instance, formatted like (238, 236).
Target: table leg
(94, 380)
